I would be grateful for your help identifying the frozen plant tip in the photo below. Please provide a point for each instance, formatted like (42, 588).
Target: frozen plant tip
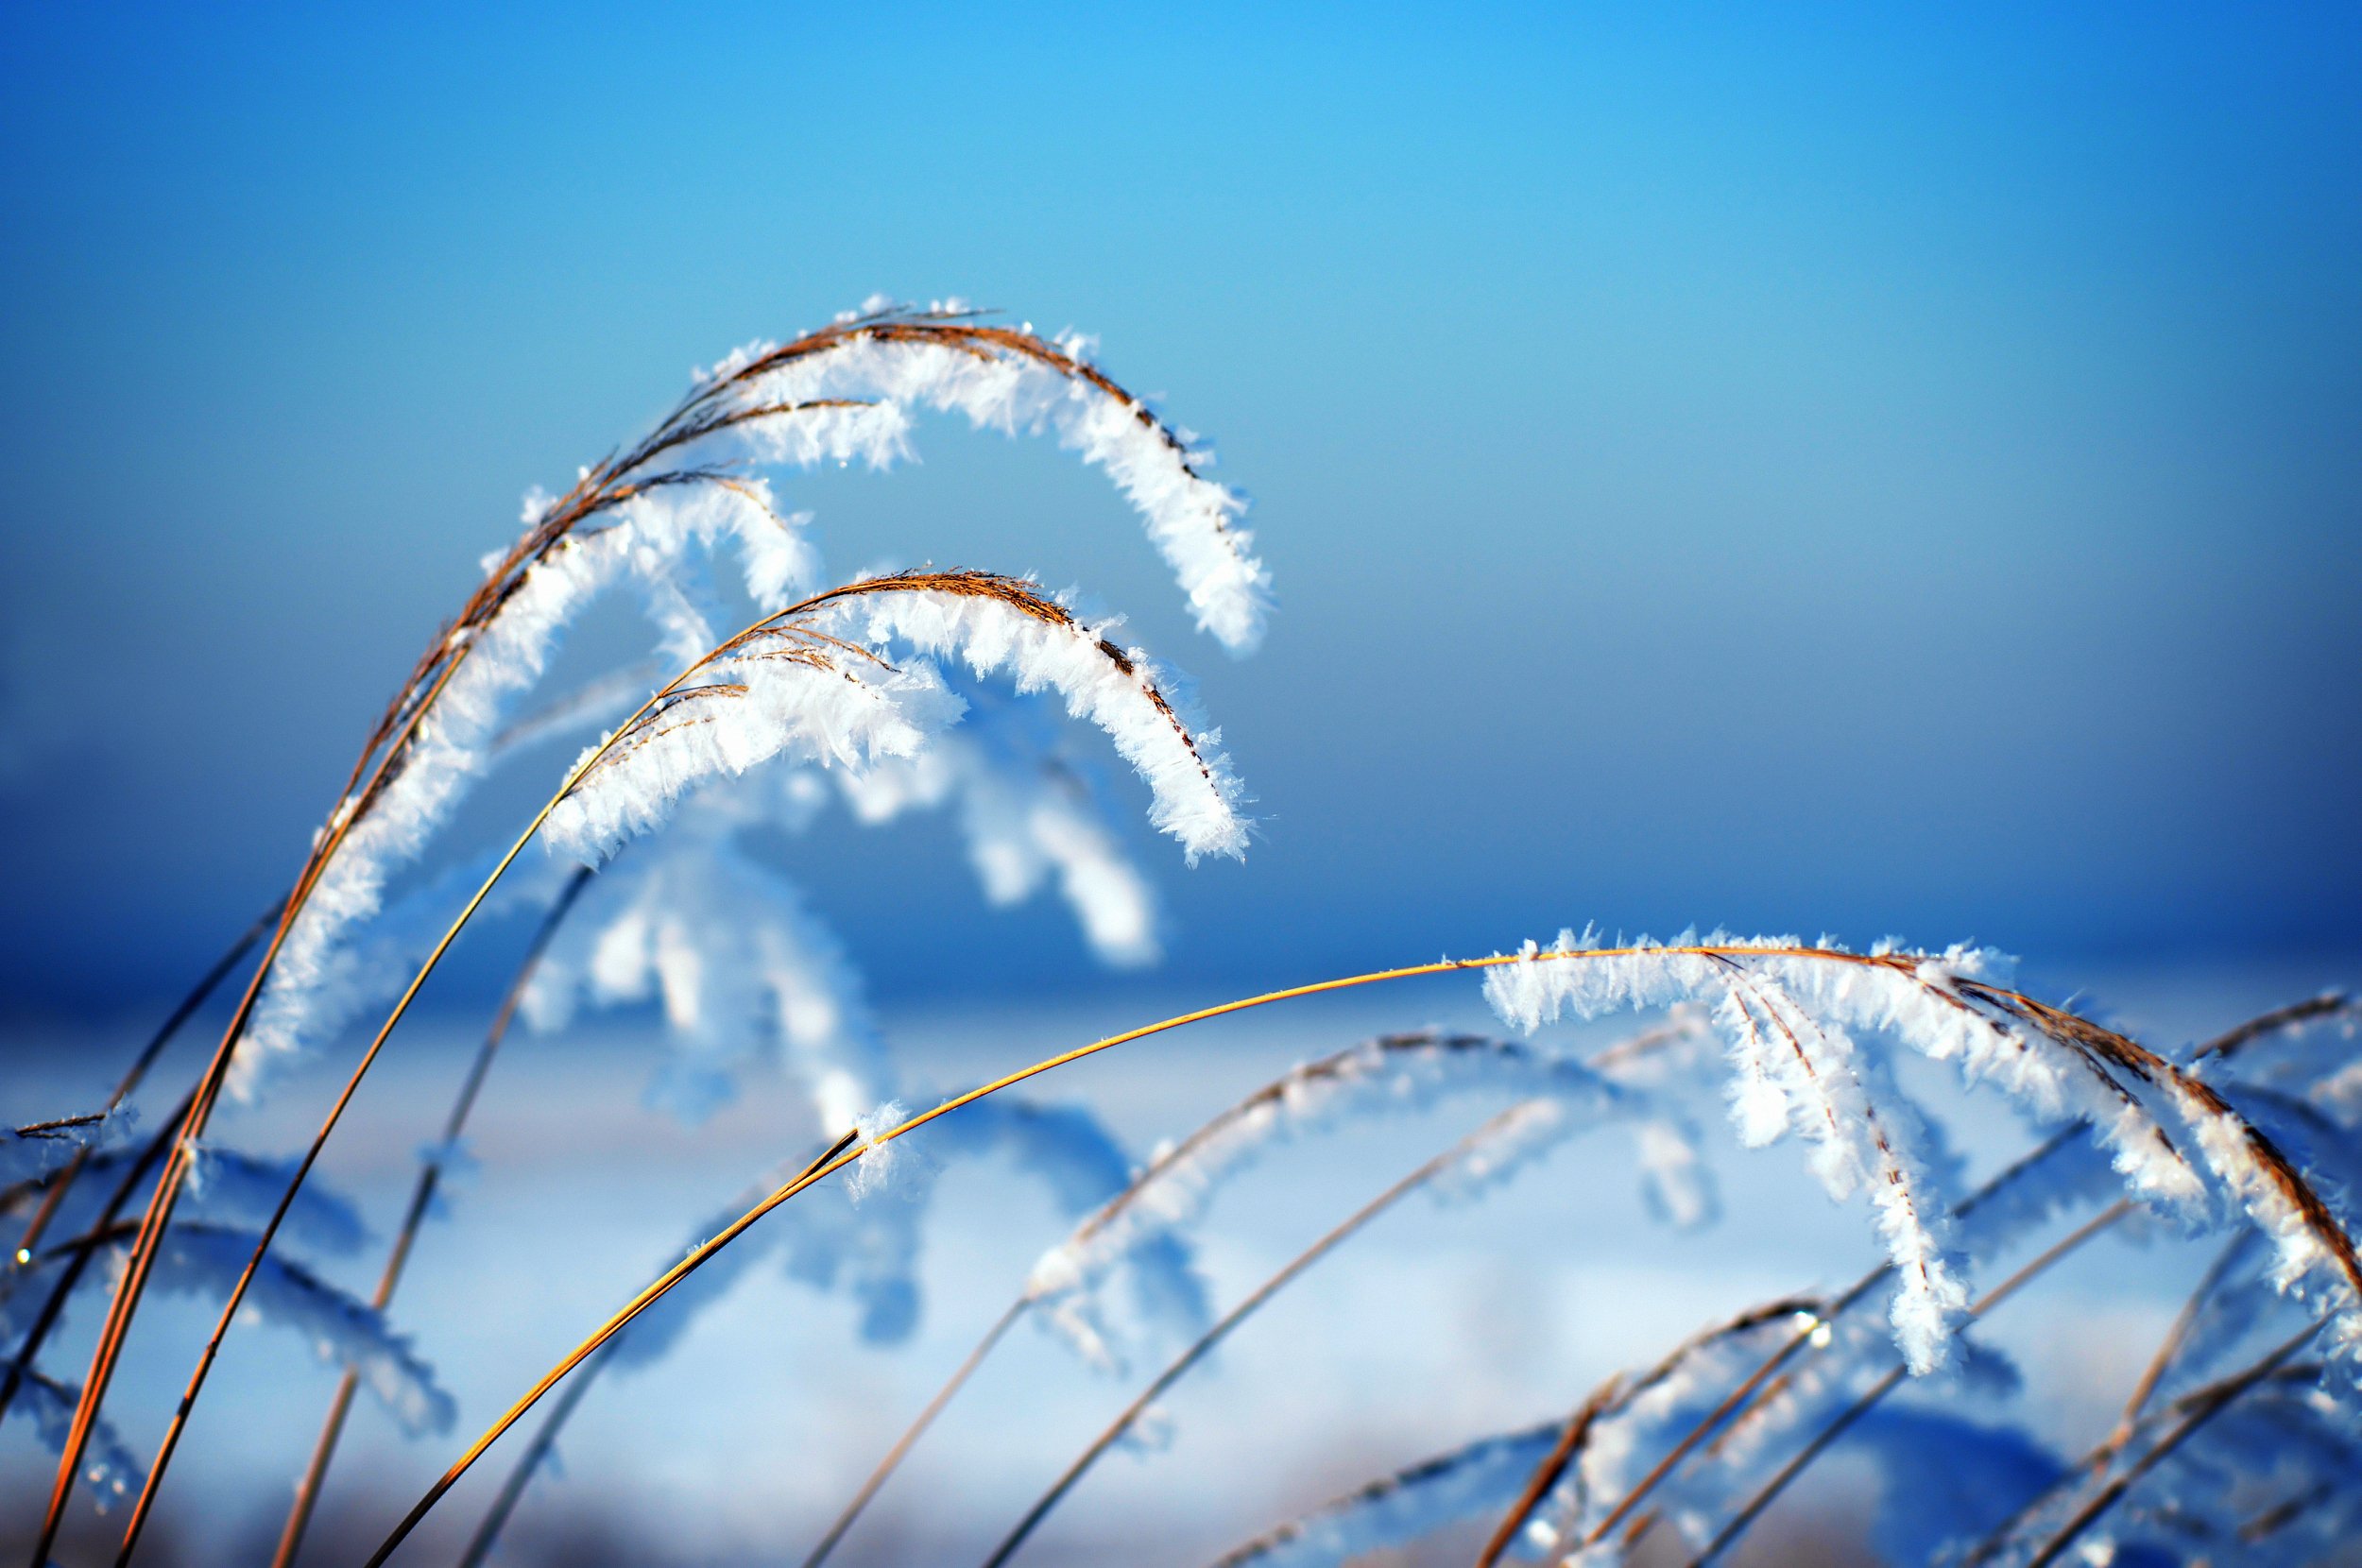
(815, 683)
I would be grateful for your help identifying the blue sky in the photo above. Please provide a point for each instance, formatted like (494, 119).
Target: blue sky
(1808, 470)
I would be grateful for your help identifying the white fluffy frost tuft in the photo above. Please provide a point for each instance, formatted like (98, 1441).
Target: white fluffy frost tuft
(1790, 1014)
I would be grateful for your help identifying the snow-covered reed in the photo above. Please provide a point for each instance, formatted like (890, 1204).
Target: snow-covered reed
(649, 515)
(817, 684)
(888, 360)
(1474, 1481)
(962, 691)
(804, 682)
(29, 1152)
(1792, 1014)
(202, 1260)
(1142, 1234)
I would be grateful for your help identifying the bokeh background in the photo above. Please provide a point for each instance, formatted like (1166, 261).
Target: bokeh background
(1861, 470)
(1867, 470)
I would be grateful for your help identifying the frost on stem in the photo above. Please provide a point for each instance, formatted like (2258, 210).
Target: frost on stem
(31, 1151)
(1011, 380)
(1789, 1015)
(817, 685)
(865, 1244)
(739, 966)
(1141, 1232)
(202, 1261)
(1478, 1480)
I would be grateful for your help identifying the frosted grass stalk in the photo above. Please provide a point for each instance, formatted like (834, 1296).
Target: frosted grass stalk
(2176, 1142)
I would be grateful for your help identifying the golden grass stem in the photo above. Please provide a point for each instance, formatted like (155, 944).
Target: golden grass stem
(528, 1465)
(1113, 1432)
(336, 1113)
(537, 1450)
(124, 1304)
(697, 1258)
(1576, 1432)
(2078, 1034)
(421, 1200)
(918, 1427)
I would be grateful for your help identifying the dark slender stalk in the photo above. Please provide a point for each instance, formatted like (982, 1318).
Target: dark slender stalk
(2185, 1322)
(1820, 1441)
(198, 993)
(2202, 1406)
(1114, 1431)
(529, 1463)
(422, 1201)
(53, 1308)
(1546, 1475)
(910, 1434)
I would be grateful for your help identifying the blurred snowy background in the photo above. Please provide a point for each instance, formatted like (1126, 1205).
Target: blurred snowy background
(1440, 1324)
(1861, 471)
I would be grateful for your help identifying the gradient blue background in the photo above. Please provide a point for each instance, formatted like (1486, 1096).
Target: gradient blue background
(1851, 470)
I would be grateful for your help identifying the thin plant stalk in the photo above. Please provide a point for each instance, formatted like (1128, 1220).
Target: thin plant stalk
(61, 1290)
(2081, 1034)
(191, 1122)
(422, 1201)
(995, 588)
(1546, 1475)
(1205, 1343)
(529, 1464)
(537, 1450)
(336, 1113)
(1740, 1522)
(1640, 1045)
(2203, 1407)
(2136, 1403)
(902, 1446)
(62, 1180)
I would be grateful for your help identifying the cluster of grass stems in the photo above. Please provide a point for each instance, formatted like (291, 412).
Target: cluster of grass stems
(149, 1180)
